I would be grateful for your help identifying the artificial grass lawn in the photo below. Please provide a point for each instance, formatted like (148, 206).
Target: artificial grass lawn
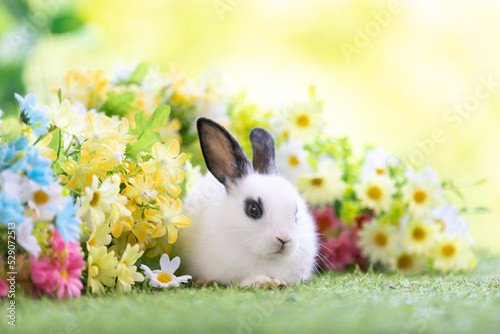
(333, 303)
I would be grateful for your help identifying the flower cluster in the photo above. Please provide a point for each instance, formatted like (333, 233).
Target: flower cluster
(77, 170)
(36, 213)
(92, 183)
(375, 210)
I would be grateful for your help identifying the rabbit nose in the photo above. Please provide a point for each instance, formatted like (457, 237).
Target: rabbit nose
(283, 242)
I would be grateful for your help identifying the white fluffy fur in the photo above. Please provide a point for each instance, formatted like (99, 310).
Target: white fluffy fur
(223, 244)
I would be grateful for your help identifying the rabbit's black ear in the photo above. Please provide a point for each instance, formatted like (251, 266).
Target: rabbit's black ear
(223, 154)
(263, 151)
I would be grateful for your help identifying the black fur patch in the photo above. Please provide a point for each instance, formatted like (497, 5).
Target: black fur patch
(263, 151)
(223, 154)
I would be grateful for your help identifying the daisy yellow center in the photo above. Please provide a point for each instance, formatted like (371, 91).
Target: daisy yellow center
(448, 250)
(40, 197)
(95, 199)
(164, 278)
(92, 242)
(374, 192)
(420, 196)
(440, 223)
(293, 161)
(405, 262)
(380, 239)
(303, 121)
(380, 171)
(317, 181)
(64, 275)
(419, 233)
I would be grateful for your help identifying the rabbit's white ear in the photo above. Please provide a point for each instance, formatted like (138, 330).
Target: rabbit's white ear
(223, 154)
(263, 151)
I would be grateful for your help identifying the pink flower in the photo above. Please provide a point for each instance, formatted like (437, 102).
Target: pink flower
(59, 272)
(4, 289)
(327, 220)
(337, 253)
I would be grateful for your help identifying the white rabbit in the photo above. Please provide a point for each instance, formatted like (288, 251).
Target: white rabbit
(249, 226)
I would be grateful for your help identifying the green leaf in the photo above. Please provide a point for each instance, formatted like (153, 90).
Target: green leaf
(138, 75)
(141, 121)
(65, 23)
(158, 118)
(142, 124)
(119, 104)
(59, 95)
(143, 144)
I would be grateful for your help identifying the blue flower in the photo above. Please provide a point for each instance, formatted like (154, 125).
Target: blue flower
(35, 116)
(12, 155)
(38, 168)
(67, 223)
(11, 209)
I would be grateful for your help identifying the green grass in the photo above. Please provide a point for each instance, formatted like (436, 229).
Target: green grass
(333, 303)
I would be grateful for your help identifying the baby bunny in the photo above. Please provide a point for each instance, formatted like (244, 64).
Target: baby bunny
(249, 226)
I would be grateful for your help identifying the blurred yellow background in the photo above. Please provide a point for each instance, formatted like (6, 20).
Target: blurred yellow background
(420, 79)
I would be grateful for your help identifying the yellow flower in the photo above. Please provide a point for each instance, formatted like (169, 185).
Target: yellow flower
(193, 174)
(110, 154)
(100, 236)
(168, 218)
(101, 268)
(127, 272)
(98, 127)
(44, 150)
(165, 162)
(170, 131)
(96, 201)
(451, 253)
(67, 118)
(158, 246)
(118, 210)
(379, 242)
(124, 224)
(86, 86)
(80, 175)
(141, 189)
(420, 236)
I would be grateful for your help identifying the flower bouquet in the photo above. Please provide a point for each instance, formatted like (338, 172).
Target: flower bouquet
(91, 184)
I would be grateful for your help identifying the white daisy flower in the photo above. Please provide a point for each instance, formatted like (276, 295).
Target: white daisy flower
(409, 263)
(14, 185)
(422, 191)
(291, 159)
(303, 119)
(379, 242)
(26, 239)
(446, 217)
(46, 201)
(165, 276)
(419, 236)
(375, 162)
(376, 192)
(451, 253)
(324, 186)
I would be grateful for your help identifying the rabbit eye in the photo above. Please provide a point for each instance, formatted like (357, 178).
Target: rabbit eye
(253, 208)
